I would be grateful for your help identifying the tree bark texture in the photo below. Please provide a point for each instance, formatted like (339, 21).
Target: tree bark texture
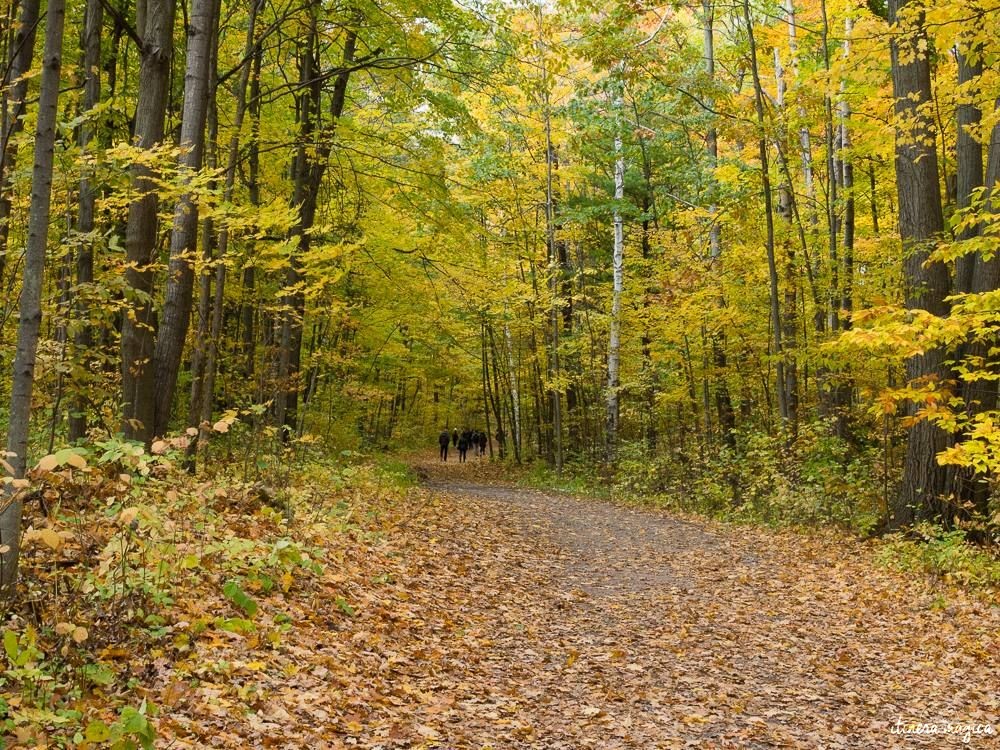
(30, 320)
(138, 326)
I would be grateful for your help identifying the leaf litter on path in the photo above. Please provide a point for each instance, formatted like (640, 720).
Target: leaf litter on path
(494, 617)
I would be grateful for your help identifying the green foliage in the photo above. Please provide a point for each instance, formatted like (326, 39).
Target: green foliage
(220, 538)
(130, 731)
(947, 554)
(42, 676)
(576, 477)
(395, 473)
(817, 479)
(239, 597)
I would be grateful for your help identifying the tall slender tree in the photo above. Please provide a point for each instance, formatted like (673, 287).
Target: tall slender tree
(311, 161)
(617, 274)
(15, 91)
(176, 315)
(725, 415)
(30, 320)
(91, 67)
(138, 325)
(765, 177)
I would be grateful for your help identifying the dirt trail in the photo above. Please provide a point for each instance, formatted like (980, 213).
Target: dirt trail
(476, 615)
(593, 625)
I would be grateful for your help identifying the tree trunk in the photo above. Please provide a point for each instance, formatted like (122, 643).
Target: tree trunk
(847, 185)
(969, 154)
(805, 140)
(184, 237)
(498, 396)
(841, 388)
(772, 268)
(921, 221)
(515, 394)
(202, 357)
(832, 220)
(650, 380)
(555, 398)
(30, 321)
(138, 325)
(725, 416)
(618, 280)
(91, 66)
(202, 399)
(311, 160)
(786, 210)
(249, 304)
(873, 203)
(981, 395)
(15, 84)
(485, 368)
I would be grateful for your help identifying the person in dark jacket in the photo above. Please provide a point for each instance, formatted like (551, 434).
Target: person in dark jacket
(443, 440)
(484, 440)
(463, 447)
(454, 437)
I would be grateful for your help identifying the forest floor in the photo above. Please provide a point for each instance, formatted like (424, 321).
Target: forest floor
(477, 614)
(596, 625)
(514, 618)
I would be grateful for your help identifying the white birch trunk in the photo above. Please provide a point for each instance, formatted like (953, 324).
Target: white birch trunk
(514, 390)
(805, 143)
(845, 106)
(712, 136)
(618, 257)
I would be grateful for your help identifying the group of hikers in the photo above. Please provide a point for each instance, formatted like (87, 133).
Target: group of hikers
(474, 440)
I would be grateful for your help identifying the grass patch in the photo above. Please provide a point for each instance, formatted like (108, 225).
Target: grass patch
(574, 479)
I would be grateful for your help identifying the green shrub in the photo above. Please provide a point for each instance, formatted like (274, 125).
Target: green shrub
(946, 554)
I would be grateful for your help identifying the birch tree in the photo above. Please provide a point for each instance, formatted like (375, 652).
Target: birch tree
(617, 269)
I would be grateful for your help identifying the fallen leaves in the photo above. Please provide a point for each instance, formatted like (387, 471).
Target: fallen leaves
(505, 618)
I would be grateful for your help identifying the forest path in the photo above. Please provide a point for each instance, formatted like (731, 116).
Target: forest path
(596, 625)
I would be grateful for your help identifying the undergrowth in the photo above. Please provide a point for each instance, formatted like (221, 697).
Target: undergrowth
(128, 562)
(575, 478)
(949, 555)
(817, 480)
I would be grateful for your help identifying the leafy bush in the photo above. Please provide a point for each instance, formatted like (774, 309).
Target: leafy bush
(157, 558)
(817, 479)
(946, 554)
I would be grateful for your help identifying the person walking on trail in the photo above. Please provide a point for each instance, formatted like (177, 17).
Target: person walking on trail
(454, 437)
(443, 440)
(484, 440)
(463, 447)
